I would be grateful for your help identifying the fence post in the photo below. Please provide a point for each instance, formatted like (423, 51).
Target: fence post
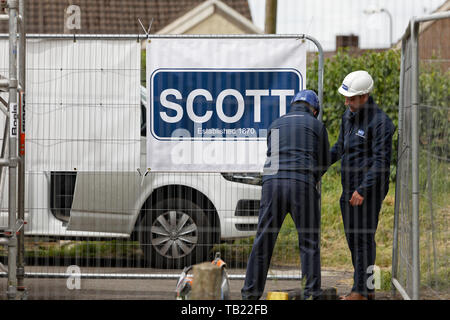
(415, 158)
(398, 174)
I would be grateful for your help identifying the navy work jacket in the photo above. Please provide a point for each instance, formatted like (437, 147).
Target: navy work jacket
(364, 147)
(297, 147)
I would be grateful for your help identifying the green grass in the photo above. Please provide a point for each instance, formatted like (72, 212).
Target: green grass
(120, 249)
(334, 250)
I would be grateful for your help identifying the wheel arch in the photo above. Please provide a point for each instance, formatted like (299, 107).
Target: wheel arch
(189, 193)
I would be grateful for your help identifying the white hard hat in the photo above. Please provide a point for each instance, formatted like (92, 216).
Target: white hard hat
(356, 83)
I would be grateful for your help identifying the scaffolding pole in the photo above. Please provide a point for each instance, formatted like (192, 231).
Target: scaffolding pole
(21, 134)
(12, 126)
(12, 193)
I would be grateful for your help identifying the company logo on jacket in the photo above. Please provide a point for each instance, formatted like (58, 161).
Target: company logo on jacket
(360, 133)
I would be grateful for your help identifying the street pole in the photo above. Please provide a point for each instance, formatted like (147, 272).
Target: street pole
(373, 11)
(390, 25)
(271, 17)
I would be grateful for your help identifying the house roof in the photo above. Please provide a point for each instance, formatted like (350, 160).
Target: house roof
(112, 16)
(424, 26)
(201, 12)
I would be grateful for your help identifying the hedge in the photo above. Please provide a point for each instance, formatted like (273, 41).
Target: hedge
(385, 69)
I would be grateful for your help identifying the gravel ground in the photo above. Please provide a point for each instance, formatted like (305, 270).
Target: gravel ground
(153, 289)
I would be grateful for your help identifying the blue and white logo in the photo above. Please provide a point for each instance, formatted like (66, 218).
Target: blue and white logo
(222, 104)
(360, 133)
(344, 87)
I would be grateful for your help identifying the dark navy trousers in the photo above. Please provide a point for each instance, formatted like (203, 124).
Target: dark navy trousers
(301, 200)
(360, 225)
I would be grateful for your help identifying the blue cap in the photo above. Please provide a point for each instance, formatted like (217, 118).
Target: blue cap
(309, 97)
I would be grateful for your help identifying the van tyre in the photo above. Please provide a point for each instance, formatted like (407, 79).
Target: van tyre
(175, 233)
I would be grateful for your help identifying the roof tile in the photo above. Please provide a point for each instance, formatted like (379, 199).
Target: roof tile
(112, 16)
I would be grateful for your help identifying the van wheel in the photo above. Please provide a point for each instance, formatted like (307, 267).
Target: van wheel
(176, 234)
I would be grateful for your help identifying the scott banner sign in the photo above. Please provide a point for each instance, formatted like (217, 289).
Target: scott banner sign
(211, 101)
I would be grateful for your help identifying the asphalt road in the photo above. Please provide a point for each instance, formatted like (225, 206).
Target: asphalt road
(146, 289)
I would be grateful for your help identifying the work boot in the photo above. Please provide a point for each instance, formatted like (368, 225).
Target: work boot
(353, 296)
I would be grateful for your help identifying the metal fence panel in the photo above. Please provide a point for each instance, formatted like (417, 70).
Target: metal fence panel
(403, 198)
(434, 178)
(90, 201)
(420, 264)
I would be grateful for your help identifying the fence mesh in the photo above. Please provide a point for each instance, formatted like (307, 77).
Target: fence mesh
(92, 206)
(403, 198)
(434, 95)
(434, 152)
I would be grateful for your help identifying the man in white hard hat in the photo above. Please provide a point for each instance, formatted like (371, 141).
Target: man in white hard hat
(364, 147)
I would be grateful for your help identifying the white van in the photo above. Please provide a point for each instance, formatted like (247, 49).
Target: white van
(177, 218)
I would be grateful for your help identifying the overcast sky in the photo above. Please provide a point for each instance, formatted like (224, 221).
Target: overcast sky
(324, 19)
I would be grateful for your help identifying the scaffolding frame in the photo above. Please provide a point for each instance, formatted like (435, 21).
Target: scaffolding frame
(15, 85)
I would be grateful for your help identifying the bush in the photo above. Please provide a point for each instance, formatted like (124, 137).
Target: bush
(383, 66)
(434, 91)
(434, 95)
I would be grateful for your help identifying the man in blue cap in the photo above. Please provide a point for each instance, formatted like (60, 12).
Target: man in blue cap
(297, 157)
